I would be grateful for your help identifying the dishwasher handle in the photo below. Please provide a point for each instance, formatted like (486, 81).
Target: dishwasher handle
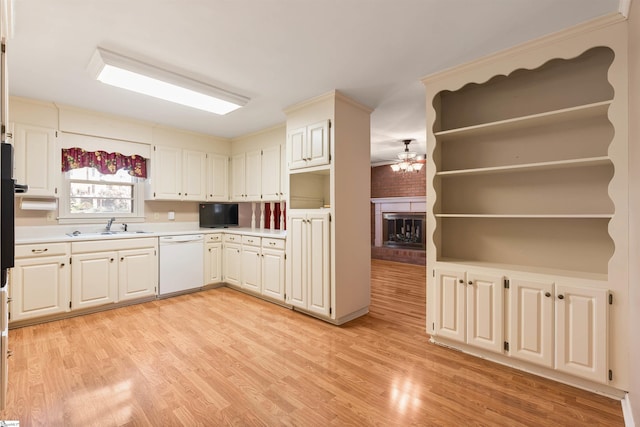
(187, 238)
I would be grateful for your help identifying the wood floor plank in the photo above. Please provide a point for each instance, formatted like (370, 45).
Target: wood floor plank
(221, 357)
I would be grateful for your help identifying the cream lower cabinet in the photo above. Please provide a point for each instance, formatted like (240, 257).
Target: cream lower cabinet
(251, 263)
(470, 308)
(308, 282)
(231, 259)
(95, 279)
(273, 260)
(40, 281)
(213, 258)
(109, 271)
(134, 273)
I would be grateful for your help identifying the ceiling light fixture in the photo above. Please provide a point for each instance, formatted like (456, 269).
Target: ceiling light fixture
(409, 161)
(127, 73)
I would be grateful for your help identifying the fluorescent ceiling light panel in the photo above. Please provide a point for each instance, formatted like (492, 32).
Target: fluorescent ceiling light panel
(136, 76)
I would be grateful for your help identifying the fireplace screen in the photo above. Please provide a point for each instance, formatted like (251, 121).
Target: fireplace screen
(403, 230)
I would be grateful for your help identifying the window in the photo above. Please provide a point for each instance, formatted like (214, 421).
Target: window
(89, 195)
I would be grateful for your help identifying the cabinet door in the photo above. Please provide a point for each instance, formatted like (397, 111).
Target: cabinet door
(194, 175)
(39, 287)
(531, 321)
(297, 148)
(296, 284)
(485, 311)
(284, 173)
(95, 278)
(318, 263)
(217, 177)
(318, 144)
(36, 159)
(232, 264)
(213, 263)
(450, 308)
(238, 178)
(166, 175)
(273, 273)
(581, 332)
(251, 268)
(137, 273)
(271, 174)
(253, 175)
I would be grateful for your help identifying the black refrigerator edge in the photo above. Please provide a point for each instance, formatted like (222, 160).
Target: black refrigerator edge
(8, 189)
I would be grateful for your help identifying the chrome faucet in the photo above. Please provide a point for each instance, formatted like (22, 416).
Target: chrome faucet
(108, 227)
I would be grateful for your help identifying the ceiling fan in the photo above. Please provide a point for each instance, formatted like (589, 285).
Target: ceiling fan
(408, 161)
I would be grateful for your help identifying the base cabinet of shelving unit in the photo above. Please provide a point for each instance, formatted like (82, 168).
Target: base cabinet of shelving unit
(470, 308)
(556, 326)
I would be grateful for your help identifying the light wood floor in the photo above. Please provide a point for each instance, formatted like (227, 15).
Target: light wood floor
(221, 357)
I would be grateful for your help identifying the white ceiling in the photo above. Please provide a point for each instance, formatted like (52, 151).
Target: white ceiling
(277, 52)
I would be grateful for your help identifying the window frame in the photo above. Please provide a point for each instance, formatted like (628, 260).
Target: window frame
(66, 217)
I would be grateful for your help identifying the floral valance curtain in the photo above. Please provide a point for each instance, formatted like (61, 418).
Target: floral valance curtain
(106, 163)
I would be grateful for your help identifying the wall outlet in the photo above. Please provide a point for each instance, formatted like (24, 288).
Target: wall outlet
(51, 216)
(156, 215)
(171, 216)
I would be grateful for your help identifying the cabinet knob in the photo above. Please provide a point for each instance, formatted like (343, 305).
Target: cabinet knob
(61, 264)
(547, 294)
(121, 258)
(461, 281)
(9, 353)
(111, 260)
(179, 194)
(470, 282)
(560, 296)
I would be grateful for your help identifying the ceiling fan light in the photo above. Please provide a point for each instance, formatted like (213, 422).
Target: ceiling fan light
(417, 166)
(395, 167)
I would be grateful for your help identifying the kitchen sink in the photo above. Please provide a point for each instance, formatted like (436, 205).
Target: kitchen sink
(105, 233)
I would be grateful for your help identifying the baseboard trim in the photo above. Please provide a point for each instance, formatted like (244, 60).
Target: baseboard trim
(627, 412)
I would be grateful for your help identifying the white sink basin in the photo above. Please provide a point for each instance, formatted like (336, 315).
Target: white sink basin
(105, 233)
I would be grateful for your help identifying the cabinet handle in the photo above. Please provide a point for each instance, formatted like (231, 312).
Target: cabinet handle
(547, 294)
(9, 353)
(272, 243)
(39, 251)
(560, 296)
(9, 300)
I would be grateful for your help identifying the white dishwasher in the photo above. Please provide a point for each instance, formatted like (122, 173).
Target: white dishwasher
(181, 263)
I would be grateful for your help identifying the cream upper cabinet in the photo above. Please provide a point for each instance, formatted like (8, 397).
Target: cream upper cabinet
(253, 176)
(238, 178)
(40, 281)
(166, 174)
(308, 261)
(194, 175)
(36, 159)
(309, 145)
(217, 177)
(136, 278)
(177, 174)
(470, 308)
(271, 174)
(582, 332)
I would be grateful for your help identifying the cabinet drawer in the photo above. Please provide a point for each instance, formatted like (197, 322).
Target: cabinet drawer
(236, 238)
(113, 245)
(273, 243)
(41, 249)
(212, 238)
(251, 240)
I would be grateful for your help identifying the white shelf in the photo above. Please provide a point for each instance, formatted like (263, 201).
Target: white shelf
(582, 112)
(526, 216)
(557, 164)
